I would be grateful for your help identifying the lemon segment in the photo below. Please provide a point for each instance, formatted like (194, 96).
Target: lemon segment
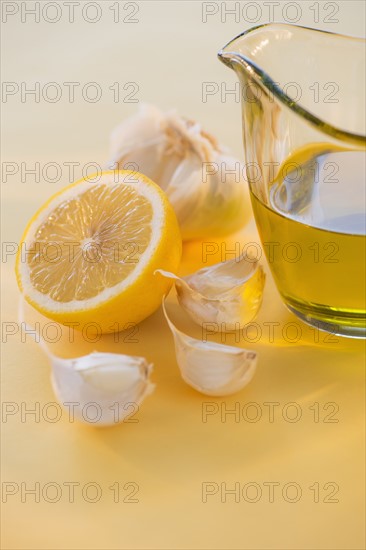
(89, 254)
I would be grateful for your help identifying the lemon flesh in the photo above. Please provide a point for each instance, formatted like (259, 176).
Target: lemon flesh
(89, 254)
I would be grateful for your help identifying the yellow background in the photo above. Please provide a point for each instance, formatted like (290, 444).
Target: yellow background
(170, 451)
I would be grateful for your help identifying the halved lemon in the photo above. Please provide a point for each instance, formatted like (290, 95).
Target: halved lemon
(89, 254)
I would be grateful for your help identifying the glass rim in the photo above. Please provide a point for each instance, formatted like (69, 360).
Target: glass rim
(268, 83)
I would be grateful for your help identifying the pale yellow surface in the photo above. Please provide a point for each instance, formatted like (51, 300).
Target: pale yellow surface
(170, 452)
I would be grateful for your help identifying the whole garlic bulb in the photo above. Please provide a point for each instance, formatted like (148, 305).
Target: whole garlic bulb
(204, 184)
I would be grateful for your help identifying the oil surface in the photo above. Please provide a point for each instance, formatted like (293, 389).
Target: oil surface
(319, 272)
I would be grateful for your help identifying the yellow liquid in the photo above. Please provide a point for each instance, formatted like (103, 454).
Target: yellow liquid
(321, 276)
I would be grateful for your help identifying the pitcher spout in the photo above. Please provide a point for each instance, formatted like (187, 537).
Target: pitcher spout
(308, 71)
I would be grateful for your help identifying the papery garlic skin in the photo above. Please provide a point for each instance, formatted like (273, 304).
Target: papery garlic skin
(228, 294)
(205, 185)
(211, 368)
(103, 388)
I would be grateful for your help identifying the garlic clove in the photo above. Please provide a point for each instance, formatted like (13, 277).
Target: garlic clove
(113, 385)
(101, 389)
(212, 368)
(228, 294)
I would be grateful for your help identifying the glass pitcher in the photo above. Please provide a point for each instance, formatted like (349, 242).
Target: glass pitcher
(303, 114)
